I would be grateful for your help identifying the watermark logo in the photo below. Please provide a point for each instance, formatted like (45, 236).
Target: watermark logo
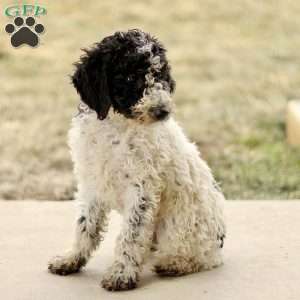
(24, 30)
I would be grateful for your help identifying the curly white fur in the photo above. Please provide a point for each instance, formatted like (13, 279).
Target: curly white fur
(153, 176)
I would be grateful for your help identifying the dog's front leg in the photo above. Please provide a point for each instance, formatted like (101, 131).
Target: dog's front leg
(134, 241)
(89, 227)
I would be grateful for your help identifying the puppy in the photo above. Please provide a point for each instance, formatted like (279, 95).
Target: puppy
(130, 155)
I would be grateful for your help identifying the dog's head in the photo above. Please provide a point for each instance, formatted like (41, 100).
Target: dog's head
(128, 71)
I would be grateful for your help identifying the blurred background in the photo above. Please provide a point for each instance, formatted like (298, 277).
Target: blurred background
(236, 65)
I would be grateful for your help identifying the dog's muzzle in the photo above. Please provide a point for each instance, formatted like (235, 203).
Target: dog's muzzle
(160, 103)
(156, 104)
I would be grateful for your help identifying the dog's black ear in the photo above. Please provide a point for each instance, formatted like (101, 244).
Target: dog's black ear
(91, 82)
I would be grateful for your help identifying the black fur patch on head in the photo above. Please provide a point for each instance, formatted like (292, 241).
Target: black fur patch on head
(112, 73)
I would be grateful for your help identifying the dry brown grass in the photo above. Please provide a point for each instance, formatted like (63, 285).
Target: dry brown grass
(236, 64)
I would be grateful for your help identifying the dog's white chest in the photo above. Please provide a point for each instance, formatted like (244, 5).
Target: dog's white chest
(113, 156)
(109, 150)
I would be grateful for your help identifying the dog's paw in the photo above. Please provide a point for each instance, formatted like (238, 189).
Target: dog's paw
(64, 265)
(120, 278)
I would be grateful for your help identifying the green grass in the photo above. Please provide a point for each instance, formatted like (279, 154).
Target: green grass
(236, 66)
(263, 165)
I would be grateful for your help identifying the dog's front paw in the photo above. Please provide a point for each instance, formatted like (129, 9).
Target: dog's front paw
(64, 265)
(120, 278)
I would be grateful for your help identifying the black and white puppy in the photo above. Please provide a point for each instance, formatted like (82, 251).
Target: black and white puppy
(130, 155)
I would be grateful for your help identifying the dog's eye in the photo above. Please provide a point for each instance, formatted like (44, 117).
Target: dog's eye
(130, 78)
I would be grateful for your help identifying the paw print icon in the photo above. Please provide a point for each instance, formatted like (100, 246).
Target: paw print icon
(24, 31)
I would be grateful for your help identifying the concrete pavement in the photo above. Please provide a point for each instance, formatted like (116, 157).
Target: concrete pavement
(262, 256)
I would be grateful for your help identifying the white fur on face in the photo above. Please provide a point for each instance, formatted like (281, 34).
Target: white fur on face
(146, 48)
(154, 97)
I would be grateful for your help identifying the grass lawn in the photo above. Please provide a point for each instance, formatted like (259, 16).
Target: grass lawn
(236, 65)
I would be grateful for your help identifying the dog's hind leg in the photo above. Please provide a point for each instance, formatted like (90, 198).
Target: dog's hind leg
(174, 255)
(178, 265)
(183, 247)
(89, 227)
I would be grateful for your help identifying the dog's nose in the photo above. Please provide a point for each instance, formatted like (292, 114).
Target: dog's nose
(160, 114)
